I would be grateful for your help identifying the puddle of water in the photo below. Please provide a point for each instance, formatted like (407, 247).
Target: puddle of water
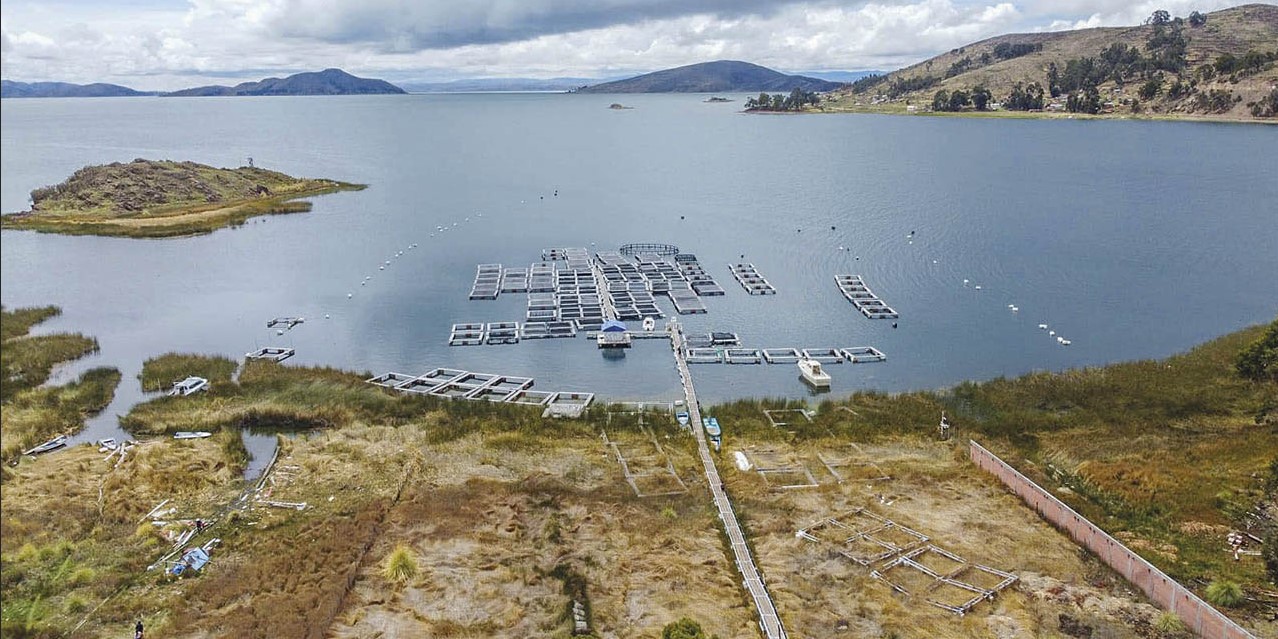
(261, 447)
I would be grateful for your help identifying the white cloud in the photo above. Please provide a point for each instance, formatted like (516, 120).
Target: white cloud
(158, 46)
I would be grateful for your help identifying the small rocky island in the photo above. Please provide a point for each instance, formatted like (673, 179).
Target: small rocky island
(716, 98)
(164, 198)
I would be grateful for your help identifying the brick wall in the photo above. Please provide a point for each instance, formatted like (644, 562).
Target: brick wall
(1198, 615)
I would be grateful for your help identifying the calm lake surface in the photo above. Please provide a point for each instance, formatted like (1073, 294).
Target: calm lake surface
(1132, 239)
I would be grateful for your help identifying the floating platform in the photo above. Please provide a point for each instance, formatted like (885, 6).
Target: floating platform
(548, 330)
(750, 279)
(568, 404)
(502, 333)
(487, 282)
(742, 356)
(855, 291)
(466, 335)
(781, 355)
(863, 354)
(271, 354)
(824, 355)
(705, 356)
(686, 302)
(286, 322)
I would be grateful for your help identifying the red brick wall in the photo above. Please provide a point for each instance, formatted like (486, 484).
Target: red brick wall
(1198, 615)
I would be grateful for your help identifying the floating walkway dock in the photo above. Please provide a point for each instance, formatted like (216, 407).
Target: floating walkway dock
(750, 279)
(854, 290)
(452, 383)
(730, 355)
(769, 621)
(271, 354)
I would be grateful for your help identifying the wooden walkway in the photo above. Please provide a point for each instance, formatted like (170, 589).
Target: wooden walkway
(769, 622)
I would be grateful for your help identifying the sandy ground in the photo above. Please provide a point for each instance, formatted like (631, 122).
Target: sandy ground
(934, 491)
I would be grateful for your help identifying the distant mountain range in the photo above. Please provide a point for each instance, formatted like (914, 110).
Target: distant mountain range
(10, 89)
(481, 85)
(326, 82)
(722, 76)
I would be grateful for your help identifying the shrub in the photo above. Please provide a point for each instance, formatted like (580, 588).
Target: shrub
(1259, 361)
(1224, 593)
(685, 628)
(401, 565)
(1169, 623)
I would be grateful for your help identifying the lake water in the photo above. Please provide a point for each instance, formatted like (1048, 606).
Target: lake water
(1133, 239)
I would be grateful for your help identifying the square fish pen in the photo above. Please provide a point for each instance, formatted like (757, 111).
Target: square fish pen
(863, 354)
(503, 333)
(271, 354)
(471, 334)
(824, 355)
(781, 355)
(704, 356)
(742, 356)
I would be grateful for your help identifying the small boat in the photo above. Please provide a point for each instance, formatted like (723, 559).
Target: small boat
(52, 444)
(649, 324)
(189, 386)
(106, 444)
(187, 434)
(683, 418)
(712, 427)
(813, 374)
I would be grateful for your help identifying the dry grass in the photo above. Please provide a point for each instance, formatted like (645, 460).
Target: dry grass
(935, 491)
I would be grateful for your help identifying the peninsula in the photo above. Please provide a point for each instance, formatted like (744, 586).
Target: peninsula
(1218, 65)
(164, 198)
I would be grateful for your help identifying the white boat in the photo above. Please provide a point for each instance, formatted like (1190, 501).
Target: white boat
(813, 374)
(649, 324)
(52, 444)
(189, 386)
(186, 434)
(106, 444)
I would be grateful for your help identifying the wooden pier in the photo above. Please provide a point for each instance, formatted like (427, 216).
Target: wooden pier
(769, 621)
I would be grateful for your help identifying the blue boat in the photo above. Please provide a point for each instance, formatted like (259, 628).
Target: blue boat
(712, 427)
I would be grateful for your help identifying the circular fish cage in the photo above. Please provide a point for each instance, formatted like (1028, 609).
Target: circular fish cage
(649, 248)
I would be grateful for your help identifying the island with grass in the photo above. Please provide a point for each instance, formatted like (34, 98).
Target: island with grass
(165, 198)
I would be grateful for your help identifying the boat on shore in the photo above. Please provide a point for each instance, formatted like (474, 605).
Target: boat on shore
(52, 444)
(187, 434)
(813, 373)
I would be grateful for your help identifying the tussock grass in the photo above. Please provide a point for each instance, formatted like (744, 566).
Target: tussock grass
(400, 566)
(33, 413)
(159, 373)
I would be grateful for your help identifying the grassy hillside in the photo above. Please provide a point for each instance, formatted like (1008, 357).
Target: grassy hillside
(1183, 60)
(720, 76)
(149, 198)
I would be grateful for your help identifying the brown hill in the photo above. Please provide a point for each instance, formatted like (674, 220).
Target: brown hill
(999, 63)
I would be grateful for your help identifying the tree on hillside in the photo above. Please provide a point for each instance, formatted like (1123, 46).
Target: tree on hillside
(1259, 361)
(1053, 79)
(958, 100)
(1152, 86)
(1158, 18)
(941, 101)
(981, 97)
(1085, 101)
(1024, 98)
(1197, 19)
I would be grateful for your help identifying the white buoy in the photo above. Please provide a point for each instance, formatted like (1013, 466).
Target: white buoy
(1042, 326)
(327, 316)
(1051, 333)
(1060, 340)
(279, 332)
(1016, 309)
(964, 282)
(1011, 306)
(934, 261)
(381, 268)
(1066, 342)
(348, 296)
(978, 287)
(841, 248)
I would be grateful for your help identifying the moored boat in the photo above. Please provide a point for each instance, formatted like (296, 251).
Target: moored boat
(52, 444)
(813, 373)
(187, 434)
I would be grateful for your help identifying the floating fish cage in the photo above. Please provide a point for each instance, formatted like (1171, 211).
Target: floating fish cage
(648, 248)
(271, 354)
(855, 291)
(704, 356)
(742, 356)
(863, 354)
(824, 355)
(781, 355)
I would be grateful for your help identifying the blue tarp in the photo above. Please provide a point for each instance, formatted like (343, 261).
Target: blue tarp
(193, 558)
(613, 326)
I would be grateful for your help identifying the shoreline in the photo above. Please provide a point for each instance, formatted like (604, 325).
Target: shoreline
(1042, 115)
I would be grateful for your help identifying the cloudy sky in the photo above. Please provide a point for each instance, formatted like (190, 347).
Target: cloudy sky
(167, 44)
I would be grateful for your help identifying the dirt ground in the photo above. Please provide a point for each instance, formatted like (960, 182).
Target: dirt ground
(932, 490)
(497, 521)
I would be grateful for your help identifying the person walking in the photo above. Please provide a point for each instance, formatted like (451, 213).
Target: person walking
(138, 630)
